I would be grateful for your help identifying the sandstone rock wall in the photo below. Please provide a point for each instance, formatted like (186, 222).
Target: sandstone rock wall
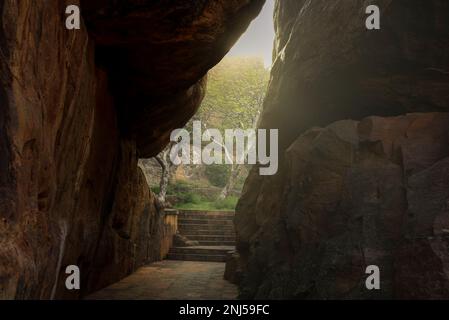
(329, 63)
(157, 54)
(72, 129)
(371, 188)
(353, 194)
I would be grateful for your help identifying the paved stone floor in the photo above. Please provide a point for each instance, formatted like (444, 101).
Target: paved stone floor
(172, 280)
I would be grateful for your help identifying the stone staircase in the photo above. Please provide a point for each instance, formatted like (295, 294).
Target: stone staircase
(214, 232)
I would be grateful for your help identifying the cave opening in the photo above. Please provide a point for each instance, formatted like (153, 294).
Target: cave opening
(198, 198)
(233, 100)
(363, 136)
(99, 98)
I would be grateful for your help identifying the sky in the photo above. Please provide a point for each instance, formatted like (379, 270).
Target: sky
(258, 39)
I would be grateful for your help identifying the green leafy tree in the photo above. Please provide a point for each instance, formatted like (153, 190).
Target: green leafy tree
(235, 93)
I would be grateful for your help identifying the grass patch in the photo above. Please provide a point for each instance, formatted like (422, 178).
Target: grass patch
(227, 204)
(189, 198)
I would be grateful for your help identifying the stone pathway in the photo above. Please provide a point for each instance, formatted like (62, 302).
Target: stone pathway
(172, 280)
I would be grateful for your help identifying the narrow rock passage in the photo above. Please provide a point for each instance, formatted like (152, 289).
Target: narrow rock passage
(172, 280)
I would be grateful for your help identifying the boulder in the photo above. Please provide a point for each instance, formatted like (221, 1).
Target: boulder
(328, 66)
(363, 145)
(351, 195)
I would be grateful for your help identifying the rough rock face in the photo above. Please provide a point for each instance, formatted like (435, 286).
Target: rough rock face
(326, 61)
(156, 52)
(351, 195)
(354, 193)
(70, 189)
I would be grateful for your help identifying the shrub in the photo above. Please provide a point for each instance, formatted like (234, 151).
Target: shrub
(156, 189)
(178, 187)
(218, 174)
(228, 203)
(188, 197)
(184, 197)
(196, 199)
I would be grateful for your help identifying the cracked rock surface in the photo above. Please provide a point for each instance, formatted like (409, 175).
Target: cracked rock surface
(77, 109)
(364, 164)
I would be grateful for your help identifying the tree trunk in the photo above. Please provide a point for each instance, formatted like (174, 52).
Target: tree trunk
(163, 161)
(235, 172)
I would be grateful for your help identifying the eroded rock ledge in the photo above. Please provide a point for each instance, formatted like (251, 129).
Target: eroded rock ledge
(156, 54)
(77, 109)
(353, 194)
(371, 190)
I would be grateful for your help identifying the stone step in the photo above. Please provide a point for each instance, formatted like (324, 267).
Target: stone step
(203, 226)
(200, 253)
(182, 217)
(196, 257)
(214, 232)
(200, 232)
(204, 250)
(210, 237)
(216, 243)
(220, 222)
(211, 214)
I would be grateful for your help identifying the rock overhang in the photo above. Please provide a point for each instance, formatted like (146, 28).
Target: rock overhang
(157, 53)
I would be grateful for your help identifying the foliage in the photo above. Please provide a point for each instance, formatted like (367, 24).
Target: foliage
(182, 191)
(228, 203)
(179, 186)
(235, 92)
(207, 206)
(217, 174)
(187, 198)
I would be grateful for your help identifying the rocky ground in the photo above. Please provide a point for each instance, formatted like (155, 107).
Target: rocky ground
(172, 280)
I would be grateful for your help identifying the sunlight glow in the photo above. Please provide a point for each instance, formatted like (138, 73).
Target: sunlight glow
(258, 39)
